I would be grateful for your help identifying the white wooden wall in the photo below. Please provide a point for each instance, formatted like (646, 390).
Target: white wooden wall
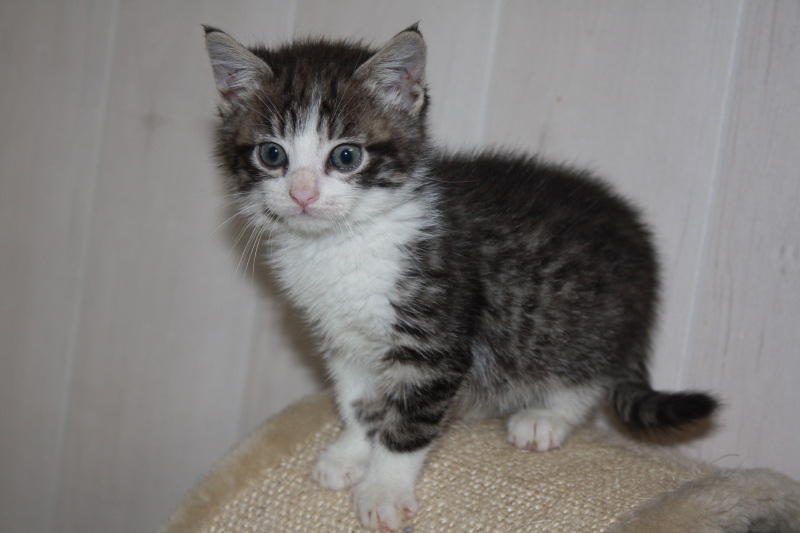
(134, 351)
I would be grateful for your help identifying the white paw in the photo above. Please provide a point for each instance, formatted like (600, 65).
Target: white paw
(340, 466)
(537, 430)
(381, 505)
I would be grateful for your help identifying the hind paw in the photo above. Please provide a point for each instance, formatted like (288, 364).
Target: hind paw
(537, 430)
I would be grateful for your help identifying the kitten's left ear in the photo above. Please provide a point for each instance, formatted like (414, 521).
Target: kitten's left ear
(237, 70)
(397, 71)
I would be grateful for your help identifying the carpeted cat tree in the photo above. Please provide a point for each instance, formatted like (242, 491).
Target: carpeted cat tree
(475, 482)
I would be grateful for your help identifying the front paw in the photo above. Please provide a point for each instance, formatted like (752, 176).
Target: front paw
(340, 467)
(381, 505)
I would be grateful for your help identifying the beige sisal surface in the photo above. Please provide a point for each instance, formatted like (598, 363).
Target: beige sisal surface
(473, 481)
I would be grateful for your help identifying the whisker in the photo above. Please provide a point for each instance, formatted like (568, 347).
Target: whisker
(244, 259)
(224, 223)
(256, 247)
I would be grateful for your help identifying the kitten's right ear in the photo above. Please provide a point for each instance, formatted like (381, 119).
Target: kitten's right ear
(397, 71)
(237, 70)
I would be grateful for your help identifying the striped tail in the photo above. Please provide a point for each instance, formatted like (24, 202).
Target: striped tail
(639, 406)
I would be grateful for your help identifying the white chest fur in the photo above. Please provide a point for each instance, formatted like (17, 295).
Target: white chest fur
(345, 281)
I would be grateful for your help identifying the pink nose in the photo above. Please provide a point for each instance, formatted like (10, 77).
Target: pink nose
(304, 196)
(303, 187)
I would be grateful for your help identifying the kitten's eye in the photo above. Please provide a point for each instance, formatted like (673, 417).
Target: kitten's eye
(346, 156)
(272, 155)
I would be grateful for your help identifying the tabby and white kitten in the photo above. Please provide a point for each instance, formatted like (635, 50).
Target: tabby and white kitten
(440, 285)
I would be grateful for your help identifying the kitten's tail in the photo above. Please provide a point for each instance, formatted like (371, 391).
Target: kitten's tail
(639, 406)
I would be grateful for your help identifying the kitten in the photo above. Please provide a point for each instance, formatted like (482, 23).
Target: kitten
(440, 285)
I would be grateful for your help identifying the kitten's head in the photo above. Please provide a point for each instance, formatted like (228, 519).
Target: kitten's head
(320, 135)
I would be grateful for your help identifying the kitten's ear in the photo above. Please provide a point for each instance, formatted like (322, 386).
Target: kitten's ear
(397, 71)
(237, 70)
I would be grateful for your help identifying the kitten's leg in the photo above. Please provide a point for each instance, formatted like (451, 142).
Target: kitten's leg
(343, 463)
(540, 429)
(405, 421)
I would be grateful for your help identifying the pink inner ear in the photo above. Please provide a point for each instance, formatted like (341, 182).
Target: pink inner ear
(408, 88)
(226, 83)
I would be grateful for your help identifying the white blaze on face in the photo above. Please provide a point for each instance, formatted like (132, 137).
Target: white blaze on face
(307, 159)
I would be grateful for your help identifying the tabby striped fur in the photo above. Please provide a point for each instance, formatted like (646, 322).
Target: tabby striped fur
(440, 285)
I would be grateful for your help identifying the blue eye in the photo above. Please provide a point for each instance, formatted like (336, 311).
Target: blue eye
(272, 155)
(346, 156)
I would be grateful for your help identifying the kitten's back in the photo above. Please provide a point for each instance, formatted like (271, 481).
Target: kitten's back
(569, 282)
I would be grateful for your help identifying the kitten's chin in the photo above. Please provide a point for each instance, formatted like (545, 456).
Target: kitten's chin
(310, 224)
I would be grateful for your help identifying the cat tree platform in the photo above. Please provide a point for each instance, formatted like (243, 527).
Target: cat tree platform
(475, 482)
